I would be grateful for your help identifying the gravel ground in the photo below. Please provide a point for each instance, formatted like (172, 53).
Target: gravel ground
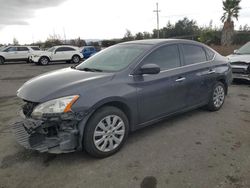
(198, 149)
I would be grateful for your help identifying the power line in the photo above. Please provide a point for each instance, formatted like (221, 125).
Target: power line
(157, 15)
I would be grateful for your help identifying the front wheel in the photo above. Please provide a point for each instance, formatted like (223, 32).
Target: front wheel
(44, 61)
(217, 98)
(76, 59)
(106, 132)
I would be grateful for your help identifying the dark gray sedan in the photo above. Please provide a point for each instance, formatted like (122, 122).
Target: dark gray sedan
(94, 105)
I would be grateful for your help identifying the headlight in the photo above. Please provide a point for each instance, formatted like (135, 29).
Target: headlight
(59, 105)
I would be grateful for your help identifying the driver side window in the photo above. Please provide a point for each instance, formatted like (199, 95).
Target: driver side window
(60, 49)
(166, 57)
(11, 49)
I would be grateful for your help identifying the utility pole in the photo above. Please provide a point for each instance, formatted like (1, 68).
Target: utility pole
(157, 14)
(64, 35)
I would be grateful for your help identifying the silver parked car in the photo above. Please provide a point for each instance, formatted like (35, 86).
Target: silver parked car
(240, 62)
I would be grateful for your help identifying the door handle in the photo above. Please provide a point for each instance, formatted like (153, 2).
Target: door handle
(211, 71)
(180, 79)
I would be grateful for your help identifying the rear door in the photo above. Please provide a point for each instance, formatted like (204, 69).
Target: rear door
(69, 52)
(162, 93)
(199, 74)
(23, 52)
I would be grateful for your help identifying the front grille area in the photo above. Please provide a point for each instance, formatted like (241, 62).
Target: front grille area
(239, 70)
(240, 67)
(28, 108)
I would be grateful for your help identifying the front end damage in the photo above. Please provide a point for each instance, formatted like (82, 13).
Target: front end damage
(54, 133)
(241, 70)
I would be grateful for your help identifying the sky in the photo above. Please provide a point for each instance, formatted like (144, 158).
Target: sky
(33, 20)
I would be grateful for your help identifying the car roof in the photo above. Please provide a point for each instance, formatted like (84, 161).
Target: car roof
(65, 46)
(156, 42)
(20, 46)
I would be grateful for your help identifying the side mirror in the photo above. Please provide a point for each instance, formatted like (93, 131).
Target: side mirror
(235, 51)
(55, 52)
(149, 69)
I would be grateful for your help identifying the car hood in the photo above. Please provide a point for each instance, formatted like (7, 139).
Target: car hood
(239, 58)
(60, 83)
(38, 52)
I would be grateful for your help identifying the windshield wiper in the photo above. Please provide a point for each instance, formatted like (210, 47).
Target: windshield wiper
(91, 70)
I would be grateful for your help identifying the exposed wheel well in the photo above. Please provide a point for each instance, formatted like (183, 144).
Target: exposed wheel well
(2, 57)
(44, 56)
(120, 105)
(225, 83)
(75, 55)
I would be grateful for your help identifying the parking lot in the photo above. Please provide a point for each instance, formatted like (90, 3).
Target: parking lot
(198, 149)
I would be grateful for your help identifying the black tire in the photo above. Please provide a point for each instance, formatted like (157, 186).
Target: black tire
(92, 126)
(75, 59)
(44, 60)
(1, 60)
(216, 104)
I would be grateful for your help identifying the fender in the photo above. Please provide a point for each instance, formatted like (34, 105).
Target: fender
(110, 100)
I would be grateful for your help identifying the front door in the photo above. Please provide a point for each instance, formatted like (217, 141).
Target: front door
(59, 54)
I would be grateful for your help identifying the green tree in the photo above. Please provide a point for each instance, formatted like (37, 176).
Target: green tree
(128, 36)
(52, 41)
(231, 10)
(139, 36)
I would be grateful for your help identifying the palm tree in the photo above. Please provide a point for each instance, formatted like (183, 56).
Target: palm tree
(231, 10)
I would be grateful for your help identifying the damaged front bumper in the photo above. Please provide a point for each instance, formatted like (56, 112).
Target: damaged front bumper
(54, 135)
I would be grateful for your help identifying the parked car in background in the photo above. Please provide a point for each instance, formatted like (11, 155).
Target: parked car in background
(88, 51)
(94, 105)
(17, 53)
(240, 62)
(2, 48)
(58, 53)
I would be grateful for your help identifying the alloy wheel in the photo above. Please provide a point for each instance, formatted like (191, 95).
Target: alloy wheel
(109, 133)
(218, 96)
(44, 61)
(76, 59)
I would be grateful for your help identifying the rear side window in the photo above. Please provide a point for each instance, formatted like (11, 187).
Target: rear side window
(35, 48)
(23, 49)
(69, 49)
(193, 54)
(166, 57)
(210, 54)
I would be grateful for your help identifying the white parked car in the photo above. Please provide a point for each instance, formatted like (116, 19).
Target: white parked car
(240, 62)
(58, 53)
(17, 53)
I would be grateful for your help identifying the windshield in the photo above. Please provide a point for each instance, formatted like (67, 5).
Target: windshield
(113, 59)
(244, 49)
(51, 49)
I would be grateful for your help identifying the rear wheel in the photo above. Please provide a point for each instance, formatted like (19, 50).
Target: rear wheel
(1, 60)
(106, 132)
(44, 61)
(217, 98)
(76, 59)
